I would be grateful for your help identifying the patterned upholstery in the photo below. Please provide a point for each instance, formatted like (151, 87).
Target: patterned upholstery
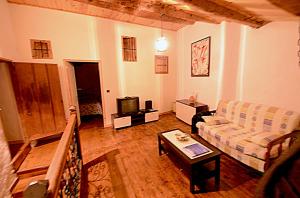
(252, 127)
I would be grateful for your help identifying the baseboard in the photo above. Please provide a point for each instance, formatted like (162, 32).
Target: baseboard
(12, 142)
(167, 112)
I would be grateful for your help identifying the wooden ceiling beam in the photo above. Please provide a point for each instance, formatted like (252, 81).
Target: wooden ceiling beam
(87, 9)
(172, 11)
(291, 6)
(162, 17)
(228, 10)
(132, 7)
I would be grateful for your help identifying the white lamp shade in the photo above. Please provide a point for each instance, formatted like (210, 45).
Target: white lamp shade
(161, 44)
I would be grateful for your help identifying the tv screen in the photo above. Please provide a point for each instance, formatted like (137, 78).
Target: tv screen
(128, 105)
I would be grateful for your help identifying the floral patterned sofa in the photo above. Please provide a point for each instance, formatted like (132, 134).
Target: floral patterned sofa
(254, 134)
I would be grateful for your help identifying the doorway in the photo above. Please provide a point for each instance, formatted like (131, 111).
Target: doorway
(89, 93)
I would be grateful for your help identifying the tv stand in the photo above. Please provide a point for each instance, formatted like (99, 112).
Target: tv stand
(142, 117)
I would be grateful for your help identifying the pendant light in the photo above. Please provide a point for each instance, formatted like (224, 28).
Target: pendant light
(161, 44)
(299, 44)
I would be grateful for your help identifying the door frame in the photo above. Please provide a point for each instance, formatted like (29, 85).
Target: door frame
(72, 89)
(15, 106)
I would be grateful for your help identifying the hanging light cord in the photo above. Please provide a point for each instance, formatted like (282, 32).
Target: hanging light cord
(299, 44)
(161, 33)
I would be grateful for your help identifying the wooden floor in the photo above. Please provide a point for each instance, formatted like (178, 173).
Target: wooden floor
(138, 170)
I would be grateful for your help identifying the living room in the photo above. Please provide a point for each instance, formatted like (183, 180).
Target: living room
(259, 65)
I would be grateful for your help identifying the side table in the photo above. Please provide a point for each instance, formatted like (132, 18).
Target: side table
(186, 110)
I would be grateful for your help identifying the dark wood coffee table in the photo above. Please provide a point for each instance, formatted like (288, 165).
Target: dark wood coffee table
(198, 169)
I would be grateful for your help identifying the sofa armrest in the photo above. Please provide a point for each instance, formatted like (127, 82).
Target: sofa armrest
(293, 136)
(198, 118)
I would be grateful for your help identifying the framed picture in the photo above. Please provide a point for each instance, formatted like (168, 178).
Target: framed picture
(161, 64)
(200, 57)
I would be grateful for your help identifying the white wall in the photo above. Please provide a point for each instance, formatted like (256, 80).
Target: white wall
(205, 87)
(79, 37)
(135, 78)
(271, 71)
(229, 75)
(7, 37)
(139, 78)
(255, 65)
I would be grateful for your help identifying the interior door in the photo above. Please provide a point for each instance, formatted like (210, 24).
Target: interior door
(39, 100)
(73, 101)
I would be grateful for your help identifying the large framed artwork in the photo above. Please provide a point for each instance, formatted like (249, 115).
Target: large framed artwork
(200, 57)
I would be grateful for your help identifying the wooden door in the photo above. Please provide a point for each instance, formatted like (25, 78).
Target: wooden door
(39, 100)
(73, 98)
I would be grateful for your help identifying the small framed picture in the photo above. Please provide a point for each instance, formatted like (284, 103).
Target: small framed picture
(161, 64)
(200, 57)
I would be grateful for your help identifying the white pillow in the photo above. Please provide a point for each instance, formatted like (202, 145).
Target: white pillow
(214, 120)
(264, 138)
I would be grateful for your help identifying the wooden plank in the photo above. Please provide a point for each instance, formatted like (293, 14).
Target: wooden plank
(25, 92)
(48, 139)
(43, 96)
(56, 98)
(41, 156)
(230, 11)
(82, 8)
(176, 11)
(266, 9)
(292, 6)
(132, 8)
(20, 156)
(249, 12)
(32, 172)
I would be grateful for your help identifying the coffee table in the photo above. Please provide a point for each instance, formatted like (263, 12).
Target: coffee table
(199, 168)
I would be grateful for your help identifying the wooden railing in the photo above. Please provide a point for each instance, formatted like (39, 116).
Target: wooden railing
(65, 170)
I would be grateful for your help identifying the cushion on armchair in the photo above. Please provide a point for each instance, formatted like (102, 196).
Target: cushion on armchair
(214, 120)
(264, 138)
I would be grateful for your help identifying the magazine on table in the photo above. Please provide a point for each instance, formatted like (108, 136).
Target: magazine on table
(196, 150)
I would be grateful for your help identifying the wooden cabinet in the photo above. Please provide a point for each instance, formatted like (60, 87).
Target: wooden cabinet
(39, 100)
(186, 110)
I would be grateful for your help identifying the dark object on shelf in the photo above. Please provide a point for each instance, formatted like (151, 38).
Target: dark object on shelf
(128, 105)
(148, 104)
(138, 118)
(198, 118)
(282, 179)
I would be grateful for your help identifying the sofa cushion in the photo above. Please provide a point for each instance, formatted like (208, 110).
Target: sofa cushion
(263, 138)
(214, 120)
(252, 149)
(254, 162)
(225, 132)
(236, 137)
(257, 117)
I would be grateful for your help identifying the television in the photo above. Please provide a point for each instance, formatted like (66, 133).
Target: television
(128, 105)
